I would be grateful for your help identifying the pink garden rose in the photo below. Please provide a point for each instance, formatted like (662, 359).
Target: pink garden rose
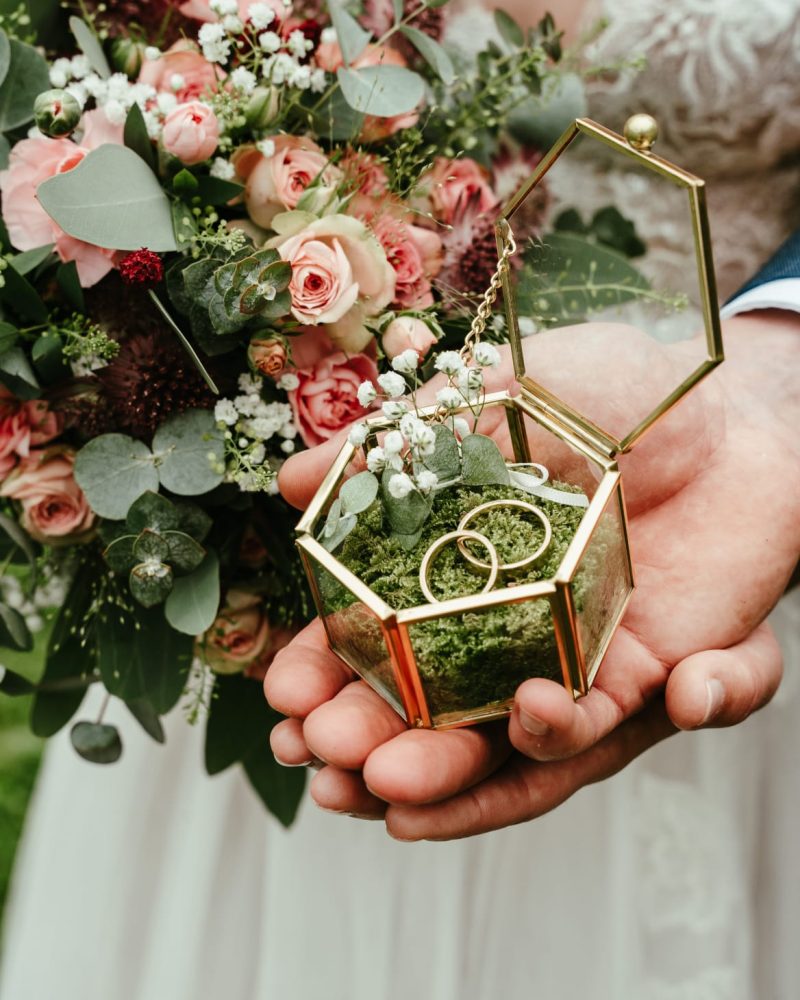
(276, 183)
(183, 59)
(326, 399)
(33, 161)
(238, 636)
(191, 132)
(340, 277)
(453, 184)
(54, 509)
(415, 255)
(408, 333)
(23, 425)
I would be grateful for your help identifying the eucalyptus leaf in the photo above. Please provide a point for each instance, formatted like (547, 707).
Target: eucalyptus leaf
(359, 492)
(90, 46)
(193, 604)
(406, 515)
(397, 9)
(150, 545)
(182, 446)
(27, 76)
(13, 684)
(111, 199)
(184, 553)
(339, 530)
(352, 38)
(96, 742)
(446, 458)
(150, 583)
(239, 721)
(193, 520)
(539, 120)
(9, 335)
(383, 91)
(334, 515)
(336, 120)
(119, 554)
(29, 260)
(216, 191)
(432, 52)
(13, 630)
(5, 56)
(69, 283)
(17, 375)
(482, 462)
(137, 138)
(154, 511)
(509, 30)
(113, 470)
(20, 295)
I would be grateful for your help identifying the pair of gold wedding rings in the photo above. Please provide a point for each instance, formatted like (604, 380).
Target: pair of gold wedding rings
(493, 567)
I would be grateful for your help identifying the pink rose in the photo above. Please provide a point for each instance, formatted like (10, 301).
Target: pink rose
(54, 509)
(340, 277)
(276, 183)
(408, 333)
(33, 161)
(326, 399)
(191, 132)
(23, 425)
(454, 184)
(184, 60)
(416, 256)
(238, 636)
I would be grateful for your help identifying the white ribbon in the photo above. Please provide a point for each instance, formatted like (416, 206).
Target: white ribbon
(535, 485)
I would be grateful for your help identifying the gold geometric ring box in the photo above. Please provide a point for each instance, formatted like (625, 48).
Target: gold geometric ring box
(527, 572)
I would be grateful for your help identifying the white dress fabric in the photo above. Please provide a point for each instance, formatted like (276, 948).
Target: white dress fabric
(675, 880)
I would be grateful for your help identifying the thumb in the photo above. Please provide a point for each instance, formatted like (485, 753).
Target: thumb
(721, 687)
(301, 474)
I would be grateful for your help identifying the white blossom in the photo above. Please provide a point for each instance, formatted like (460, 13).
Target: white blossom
(461, 427)
(401, 485)
(366, 394)
(287, 446)
(392, 384)
(318, 81)
(223, 7)
(233, 24)
(393, 443)
(486, 355)
(58, 78)
(423, 440)
(288, 431)
(426, 480)
(166, 102)
(260, 15)
(408, 424)
(79, 92)
(394, 409)
(258, 454)
(288, 382)
(298, 44)
(358, 434)
(450, 398)
(152, 53)
(115, 112)
(250, 383)
(279, 68)
(266, 147)
(406, 362)
(223, 169)
(376, 459)
(300, 77)
(329, 36)
(248, 404)
(225, 412)
(177, 82)
(216, 46)
(242, 79)
(79, 67)
(470, 380)
(270, 41)
(449, 362)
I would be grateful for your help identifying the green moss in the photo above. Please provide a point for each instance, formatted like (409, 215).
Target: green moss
(471, 660)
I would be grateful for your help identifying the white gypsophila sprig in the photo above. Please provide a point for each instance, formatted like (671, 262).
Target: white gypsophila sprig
(376, 460)
(394, 409)
(367, 394)
(449, 362)
(260, 15)
(450, 398)
(393, 384)
(358, 434)
(214, 42)
(401, 485)
(486, 355)
(394, 443)
(406, 362)
(426, 480)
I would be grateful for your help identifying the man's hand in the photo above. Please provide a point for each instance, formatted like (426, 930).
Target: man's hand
(715, 532)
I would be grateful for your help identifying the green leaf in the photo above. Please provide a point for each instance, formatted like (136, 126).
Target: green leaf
(610, 227)
(359, 492)
(482, 462)
(69, 283)
(152, 510)
(150, 583)
(184, 553)
(384, 91)
(27, 76)
(539, 120)
(5, 152)
(216, 191)
(147, 717)
(337, 530)
(194, 520)
(113, 470)
(406, 516)
(509, 30)
(239, 721)
(111, 199)
(352, 38)
(184, 225)
(136, 137)
(96, 742)
(5, 56)
(22, 541)
(90, 46)
(31, 259)
(397, 7)
(13, 630)
(193, 604)
(13, 685)
(279, 788)
(433, 54)
(20, 296)
(119, 554)
(446, 459)
(182, 445)
(16, 374)
(336, 120)
(150, 545)
(9, 335)
(184, 182)
(48, 359)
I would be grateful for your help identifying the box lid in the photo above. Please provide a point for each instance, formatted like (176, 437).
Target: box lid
(608, 232)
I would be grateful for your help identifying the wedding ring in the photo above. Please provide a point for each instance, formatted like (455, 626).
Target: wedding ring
(493, 505)
(441, 543)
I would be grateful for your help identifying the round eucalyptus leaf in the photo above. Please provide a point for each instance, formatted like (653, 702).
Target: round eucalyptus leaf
(384, 91)
(119, 553)
(98, 743)
(182, 447)
(184, 553)
(150, 583)
(358, 493)
(193, 604)
(113, 470)
(151, 546)
(153, 511)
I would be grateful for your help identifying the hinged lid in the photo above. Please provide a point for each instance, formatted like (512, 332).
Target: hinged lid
(610, 386)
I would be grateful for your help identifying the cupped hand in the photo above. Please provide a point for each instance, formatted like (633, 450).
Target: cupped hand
(715, 534)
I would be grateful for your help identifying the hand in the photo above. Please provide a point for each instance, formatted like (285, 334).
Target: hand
(715, 532)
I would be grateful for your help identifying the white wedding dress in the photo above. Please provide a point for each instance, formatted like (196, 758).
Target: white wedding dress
(675, 880)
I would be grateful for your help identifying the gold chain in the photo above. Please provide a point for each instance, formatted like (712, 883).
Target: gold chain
(485, 308)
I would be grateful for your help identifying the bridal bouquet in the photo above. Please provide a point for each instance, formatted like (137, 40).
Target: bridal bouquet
(219, 219)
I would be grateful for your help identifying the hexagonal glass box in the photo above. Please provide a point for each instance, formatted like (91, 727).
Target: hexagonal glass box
(458, 661)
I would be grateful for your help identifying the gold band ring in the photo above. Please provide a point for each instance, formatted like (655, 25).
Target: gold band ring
(493, 565)
(529, 508)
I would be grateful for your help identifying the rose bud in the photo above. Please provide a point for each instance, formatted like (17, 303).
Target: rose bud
(127, 56)
(407, 333)
(261, 108)
(56, 113)
(191, 132)
(267, 356)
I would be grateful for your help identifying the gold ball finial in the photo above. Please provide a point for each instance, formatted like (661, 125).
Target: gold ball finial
(641, 131)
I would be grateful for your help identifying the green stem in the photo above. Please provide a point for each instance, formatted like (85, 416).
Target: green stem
(187, 346)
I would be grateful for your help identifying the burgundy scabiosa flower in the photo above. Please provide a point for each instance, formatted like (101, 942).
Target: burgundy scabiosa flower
(142, 267)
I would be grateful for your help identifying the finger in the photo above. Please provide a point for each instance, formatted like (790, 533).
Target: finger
(345, 730)
(287, 744)
(720, 687)
(301, 474)
(547, 723)
(305, 673)
(421, 765)
(525, 789)
(341, 791)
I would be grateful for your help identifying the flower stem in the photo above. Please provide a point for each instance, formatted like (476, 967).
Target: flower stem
(187, 346)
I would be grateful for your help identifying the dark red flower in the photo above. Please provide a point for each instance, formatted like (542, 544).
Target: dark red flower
(142, 267)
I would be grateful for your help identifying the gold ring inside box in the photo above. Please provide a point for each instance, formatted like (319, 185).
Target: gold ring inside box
(452, 536)
(529, 508)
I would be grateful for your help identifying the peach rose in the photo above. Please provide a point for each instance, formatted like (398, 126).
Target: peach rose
(326, 399)
(33, 161)
(453, 184)
(267, 355)
(238, 636)
(183, 60)
(54, 509)
(22, 425)
(276, 183)
(340, 277)
(191, 132)
(415, 254)
(408, 333)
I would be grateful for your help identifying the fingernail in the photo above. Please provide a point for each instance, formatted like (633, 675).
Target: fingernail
(532, 725)
(715, 695)
(300, 763)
